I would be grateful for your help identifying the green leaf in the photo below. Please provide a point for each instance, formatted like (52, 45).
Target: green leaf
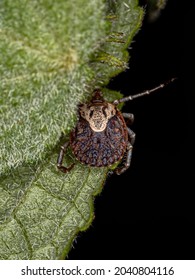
(52, 55)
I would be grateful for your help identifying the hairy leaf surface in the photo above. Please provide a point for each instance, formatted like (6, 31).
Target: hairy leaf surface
(52, 55)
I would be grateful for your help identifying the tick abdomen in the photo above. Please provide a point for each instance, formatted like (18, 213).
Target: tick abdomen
(99, 148)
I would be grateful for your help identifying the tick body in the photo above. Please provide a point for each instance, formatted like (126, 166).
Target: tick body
(101, 136)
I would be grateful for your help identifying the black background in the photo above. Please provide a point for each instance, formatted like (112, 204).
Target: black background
(147, 213)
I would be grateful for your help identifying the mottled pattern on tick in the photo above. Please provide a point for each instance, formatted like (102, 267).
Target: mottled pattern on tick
(100, 148)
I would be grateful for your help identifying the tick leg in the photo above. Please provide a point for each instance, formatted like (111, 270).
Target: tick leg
(146, 92)
(127, 163)
(131, 136)
(129, 117)
(60, 159)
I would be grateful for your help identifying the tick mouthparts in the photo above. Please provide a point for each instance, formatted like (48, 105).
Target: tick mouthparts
(97, 96)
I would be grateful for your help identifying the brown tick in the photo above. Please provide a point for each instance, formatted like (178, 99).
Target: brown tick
(101, 137)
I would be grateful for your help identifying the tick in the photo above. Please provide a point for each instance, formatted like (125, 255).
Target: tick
(101, 136)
